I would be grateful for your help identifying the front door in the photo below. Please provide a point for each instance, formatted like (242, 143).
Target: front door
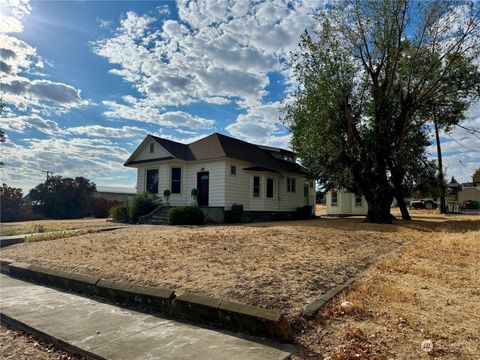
(202, 186)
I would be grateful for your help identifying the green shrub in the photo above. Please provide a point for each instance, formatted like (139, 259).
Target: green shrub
(101, 207)
(142, 204)
(304, 212)
(119, 213)
(235, 214)
(185, 215)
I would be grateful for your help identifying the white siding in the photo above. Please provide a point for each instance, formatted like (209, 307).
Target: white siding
(345, 204)
(216, 171)
(239, 189)
(145, 154)
(226, 189)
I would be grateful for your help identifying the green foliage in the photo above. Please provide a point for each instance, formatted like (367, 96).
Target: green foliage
(119, 213)
(235, 214)
(101, 207)
(185, 215)
(11, 206)
(63, 198)
(368, 92)
(141, 205)
(194, 192)
(166, 193)
(476, 177)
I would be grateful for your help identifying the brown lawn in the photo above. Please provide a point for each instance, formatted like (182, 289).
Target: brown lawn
(28, 227)
(418, 275)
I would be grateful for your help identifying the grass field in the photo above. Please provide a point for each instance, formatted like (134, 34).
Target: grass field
(420, 278)
(43, 226)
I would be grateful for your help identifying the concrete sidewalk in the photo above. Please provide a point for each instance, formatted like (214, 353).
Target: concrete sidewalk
(106, 331)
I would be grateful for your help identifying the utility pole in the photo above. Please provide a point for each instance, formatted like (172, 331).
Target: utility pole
(48, 173)
(441, 183)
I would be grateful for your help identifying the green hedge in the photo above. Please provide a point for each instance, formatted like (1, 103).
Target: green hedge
(304, 212)
(142, 204)
(235, 214)
(185, 215)
(119, 213)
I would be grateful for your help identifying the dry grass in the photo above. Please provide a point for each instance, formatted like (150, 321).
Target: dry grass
(427, 291)
(42, 226)
(420, 277)
(16, 345)
(273, 265)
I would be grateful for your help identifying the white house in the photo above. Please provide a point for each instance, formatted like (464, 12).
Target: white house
(225, 171)
(342, 203)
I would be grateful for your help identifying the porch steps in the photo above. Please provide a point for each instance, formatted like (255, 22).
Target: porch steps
(159, 217)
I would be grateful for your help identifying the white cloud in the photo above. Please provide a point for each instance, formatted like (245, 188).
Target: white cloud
(216, 51)
(144, 111)
(261, 125)
(97, 159)
(33, 121)
(105, 131)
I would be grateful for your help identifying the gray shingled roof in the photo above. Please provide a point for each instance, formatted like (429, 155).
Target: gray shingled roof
(219, 146)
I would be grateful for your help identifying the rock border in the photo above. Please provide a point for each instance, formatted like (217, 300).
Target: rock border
(198, 308)
(314, 307)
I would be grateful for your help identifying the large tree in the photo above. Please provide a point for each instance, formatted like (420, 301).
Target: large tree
(371, 76)
(63, 198)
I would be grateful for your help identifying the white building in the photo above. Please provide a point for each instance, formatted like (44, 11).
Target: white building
(342, 203)
(225, 171)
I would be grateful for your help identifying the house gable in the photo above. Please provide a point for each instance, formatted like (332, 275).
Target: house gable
(143, 152)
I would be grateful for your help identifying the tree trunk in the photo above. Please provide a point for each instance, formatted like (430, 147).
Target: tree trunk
(402, 206)
(379, 203)
(441, 184)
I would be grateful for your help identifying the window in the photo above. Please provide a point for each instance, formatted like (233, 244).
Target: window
(152, 181)
(152, 147)
(334, 199)
(305, 191)
(256, 186)
(233, 170)
(291, 185)
(270, 188)
(176, 180)
(358, 200)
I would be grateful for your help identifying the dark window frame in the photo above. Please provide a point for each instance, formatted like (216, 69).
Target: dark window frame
(150, 189)
(233, 170)
(291, 185)
(176, 180)
(336, 198)
(358, 203)
(256, 187)
(270, 191)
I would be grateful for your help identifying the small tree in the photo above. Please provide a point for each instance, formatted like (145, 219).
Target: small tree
(476, 178)
(63, 198)
(11, 208)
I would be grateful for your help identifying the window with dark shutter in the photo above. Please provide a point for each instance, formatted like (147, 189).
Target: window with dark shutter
(176, 180)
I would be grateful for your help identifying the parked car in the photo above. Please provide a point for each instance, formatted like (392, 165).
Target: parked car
(470, 204)
(428, 204)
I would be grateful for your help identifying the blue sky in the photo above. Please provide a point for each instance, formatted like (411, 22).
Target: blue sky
(85, 81)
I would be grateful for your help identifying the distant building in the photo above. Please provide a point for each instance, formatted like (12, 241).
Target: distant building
(343, 203)
(115, 193)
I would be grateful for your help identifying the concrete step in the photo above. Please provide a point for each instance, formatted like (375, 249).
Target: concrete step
(156, 222)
